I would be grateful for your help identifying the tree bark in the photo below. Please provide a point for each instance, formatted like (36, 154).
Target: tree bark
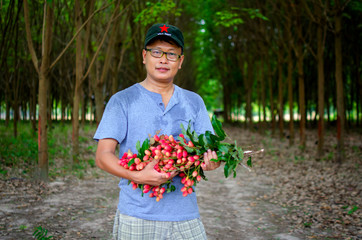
(339, 83)
(43, 71)
(280, 93)
(320, 62)
(290, 99)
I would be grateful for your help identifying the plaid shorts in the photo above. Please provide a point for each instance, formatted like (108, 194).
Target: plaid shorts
(132, 228)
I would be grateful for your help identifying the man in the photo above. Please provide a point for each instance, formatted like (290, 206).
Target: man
(155, 104)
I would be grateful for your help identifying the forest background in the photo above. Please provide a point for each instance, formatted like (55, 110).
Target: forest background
(278, 67)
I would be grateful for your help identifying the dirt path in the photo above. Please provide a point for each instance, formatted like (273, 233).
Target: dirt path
(75, 209)
(84, 209)
(287, 196)
(234, 208)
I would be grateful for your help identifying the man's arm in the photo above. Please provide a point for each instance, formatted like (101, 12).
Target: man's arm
(108, 161)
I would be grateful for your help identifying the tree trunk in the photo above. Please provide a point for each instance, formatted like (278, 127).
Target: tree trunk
(300, 59)
(320, 60)
(78, 79)
(42, 127)
(290, 96)
(271, 99)
(263, 101)
(43, 71)
(248, 82)
(339, 84)
(280, 94)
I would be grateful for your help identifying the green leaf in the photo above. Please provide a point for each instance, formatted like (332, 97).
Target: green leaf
(130, 162)
(249, 163)
(216, 124)
(145, 145)
(138, 146)
(226, 170)
(183, 129)
(201, 140)
(355, 208)
(223, 147)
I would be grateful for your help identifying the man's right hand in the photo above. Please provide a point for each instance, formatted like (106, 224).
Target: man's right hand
(150, 176)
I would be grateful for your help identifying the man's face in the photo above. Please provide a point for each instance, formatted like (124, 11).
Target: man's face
(162, 69)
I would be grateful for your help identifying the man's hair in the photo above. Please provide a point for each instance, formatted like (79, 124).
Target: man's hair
(163, 38)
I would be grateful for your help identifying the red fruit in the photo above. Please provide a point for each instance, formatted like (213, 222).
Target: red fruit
(198, 178)
(184, 194)
(146, 190)
(168, 148)
(148, 152)
(197, 163)
(140, 166)
(184, 153)
(183, 189)
(146, 157)
(181, 135)
(196, 157)
(195, 173)
(146, 186)
(157, 138)
(189, 190)
(191, 159)
(191, 144)
(183, 180)
(171, 138)
(168, 175)
(162, 190)
(137, 161)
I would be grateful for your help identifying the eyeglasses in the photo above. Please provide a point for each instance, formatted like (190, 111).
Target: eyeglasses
(158, 54)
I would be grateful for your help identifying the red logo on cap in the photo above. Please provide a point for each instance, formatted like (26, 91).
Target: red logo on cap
(164, 28)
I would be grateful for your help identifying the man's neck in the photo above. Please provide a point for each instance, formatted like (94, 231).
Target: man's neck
(163, 88)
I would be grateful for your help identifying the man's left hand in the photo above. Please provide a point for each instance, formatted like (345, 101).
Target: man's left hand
(209, 165)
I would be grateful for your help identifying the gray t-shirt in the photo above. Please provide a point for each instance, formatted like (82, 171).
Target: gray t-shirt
(130, 116)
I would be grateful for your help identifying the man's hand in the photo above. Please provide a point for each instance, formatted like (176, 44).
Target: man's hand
(209, 165)
(150, 176)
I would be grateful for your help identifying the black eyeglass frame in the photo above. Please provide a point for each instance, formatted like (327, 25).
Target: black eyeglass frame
(150, 50)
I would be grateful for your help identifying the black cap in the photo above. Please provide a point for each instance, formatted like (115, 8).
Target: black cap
(163, 29)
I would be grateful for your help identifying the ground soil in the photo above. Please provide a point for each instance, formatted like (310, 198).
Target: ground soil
(287, 195)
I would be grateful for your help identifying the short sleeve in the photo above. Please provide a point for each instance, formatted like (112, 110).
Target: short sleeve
(114, 121)
(203, 123)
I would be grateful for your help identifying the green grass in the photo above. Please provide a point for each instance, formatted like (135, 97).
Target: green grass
(18, 155)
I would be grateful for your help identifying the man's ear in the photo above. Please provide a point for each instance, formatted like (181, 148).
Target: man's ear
(181, 61)
(144, 52)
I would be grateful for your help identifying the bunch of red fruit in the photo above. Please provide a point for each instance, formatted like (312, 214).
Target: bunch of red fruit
(172, 156)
